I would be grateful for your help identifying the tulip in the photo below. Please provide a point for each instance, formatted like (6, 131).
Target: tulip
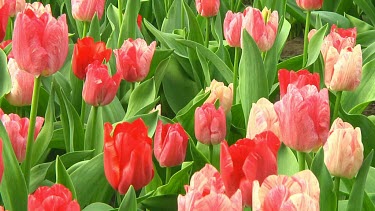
(4, 16)
(84, 10)
(262, 118)
(22, 85)
(15, 6)
(279, 192)
(128, 155)
(17, 129)
(86, 51)
(100, 88)
(54, 198)
(5, 44)
(43, 49)
(207, 8)
(210, 124)
(299, 79)
(304, 117)
(343, 151)
(262, 26)
(310, 4)
(233, 28)
(248, 160)
(170, 144)
(339, 39)
(207, 192)
(139, 21)
(221, 92)
(134, 58)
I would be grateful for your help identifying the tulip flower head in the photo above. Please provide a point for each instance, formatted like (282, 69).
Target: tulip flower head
(84, 10)
(222, 93)
(4, 17)
(207, 8)
(299, 79)
(310, 4)
(15, 6)
(233, 28)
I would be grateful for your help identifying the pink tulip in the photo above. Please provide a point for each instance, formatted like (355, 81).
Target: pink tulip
(22, 85)
(17, 129)
(43, 49)
(134, 58)
(299, 79)
(279, 192)
(310, 4)
(170, 144)
(15, 6)
(262, 26)
(207, 192)
(210, 124)
(304, 117)
(84, 10)
(262, 118)
(207, 8)
(222, 93)
(343, 151)
(233, 28)
(100, 88)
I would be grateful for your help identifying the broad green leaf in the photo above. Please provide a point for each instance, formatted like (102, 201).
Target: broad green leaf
(98, 206)
(331, 18)
(160, 55)
(150, 120)
(129, 25)
(37, 175)
(94, 135)
(293, 63)
(113, 112)
(286, 161)
(369, 10)
(5, 81)
(366, 38)
(161, 203)
(62, 177)
(370, 182)
(94, 31)
(143, 95)
(176, 182)
(369, 53)
(129, 202)
(174, 17)
(194, 32)
(361, 25)
(315, 45)
(159, 16)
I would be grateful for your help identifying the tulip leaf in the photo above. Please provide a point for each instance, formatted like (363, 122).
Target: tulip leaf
(98, 206)
(5, 81)
(365, 39)
(112, 15)
(286, 161)
(160, 55)
(129, 202)
(174, 17)
(253, 83)
(62, 177)
(331, 18)
(368, 8)
(150, 119)
(161, 203)
(356, 197)
(159, 16)
(327, 196)
(143, 95)
(94, 31)
(194, 30)
(129, 25)
(94, 135)
(315, 45)
(360, 25)
(293, 63)
(113, 112)
(155, 182)
(368, 54)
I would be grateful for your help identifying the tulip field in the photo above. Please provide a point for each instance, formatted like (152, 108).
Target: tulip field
(187, 105)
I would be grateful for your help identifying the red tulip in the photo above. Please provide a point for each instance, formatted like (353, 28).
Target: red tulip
(15, 6)
(133, 59)
(54, 198)
(299, 79)
(262, 26)
(17, 129)
(207, 8)
(22, 85)
(248, 160)
(233, 28)
(84, 10)
(5, 44)
(222, 93)
(207, 192)
(279, 192)
(4, 16)
(170, 144)
(128, 155)
(100, 88)
(210, 124)
(86, 51)
(304, 117)
(310, 4)
(43, 49)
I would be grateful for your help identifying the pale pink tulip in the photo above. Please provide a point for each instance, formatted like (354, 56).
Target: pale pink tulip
(222, 93)
(262, 118)
(310, 4)
(262, 26)
(343, 151)
(233, 28)
(207, 8)
(84, 10)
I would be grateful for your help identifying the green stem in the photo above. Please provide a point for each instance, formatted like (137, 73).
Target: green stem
(31, 131)
(337, 190)
(85, 28)
(120, 11)
(337, 105)
(211, 153)
(118, 199)
(264, 54)
(167, 174)
(235, 73)
(301, 160)
(306, 38)
(207, 41)
(83, 112)
(88, 142)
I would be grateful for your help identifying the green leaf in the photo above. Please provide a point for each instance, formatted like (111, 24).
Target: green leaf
(113, 112)
(5, 81)
(62, 177)
(94, 31)
(293, 63)
(368, 8)
(159, 16)
(365, 39)
(252, 76)
(286, 161)
(161, 203)
(369, 53)
(129, 202)
(194, 30)
(150, 120)
(143, 95)
(176, 182)
(361, 25)
(331, 18)
(129, 25)
(98, 206)
(94, 135)
(173, 19)
(315, 45)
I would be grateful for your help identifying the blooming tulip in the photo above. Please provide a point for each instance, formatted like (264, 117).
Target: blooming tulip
(22, 85)
(133, 59)
(233, 28)
(210, 124)
(304, 117)
(54, 198)
(310, 4)
(4, 16)
(15, 6)
(262, 118)
(299, 79)
(17, 129)
(127, 155)
(207, 192)
(86, 51)
(100, 88)
(221, 92)
(170, 144)
(248, 160)
(279, 192)
(207, 8)
(84, 10)
(343, 151)
(262, 26)
(43, 49)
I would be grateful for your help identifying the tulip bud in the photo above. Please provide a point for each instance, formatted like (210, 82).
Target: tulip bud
(343, 151)
(84, 10)
(222, 93)
(210, 124)
(299, 79)
(233, 28)
(207, 8)
(310, 4)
